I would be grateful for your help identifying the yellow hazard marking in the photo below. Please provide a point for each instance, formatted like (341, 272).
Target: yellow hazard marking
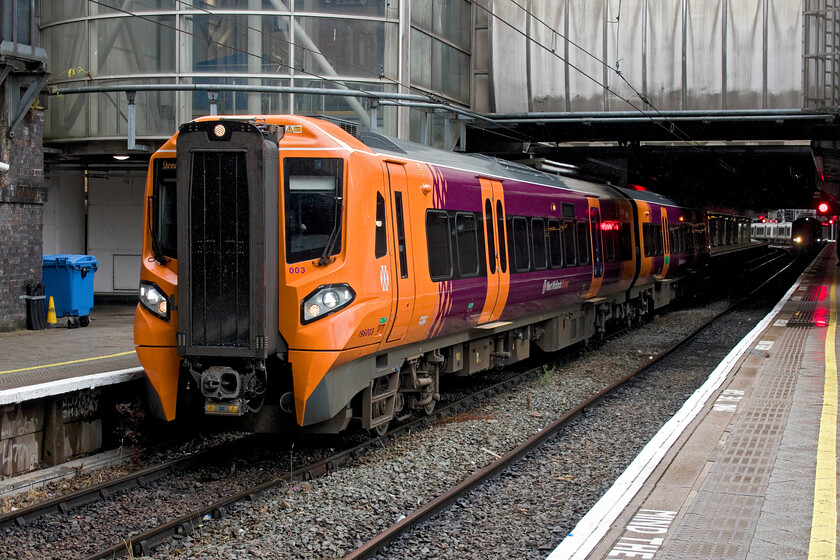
(68, 363)
(294, 129)
(824, 522)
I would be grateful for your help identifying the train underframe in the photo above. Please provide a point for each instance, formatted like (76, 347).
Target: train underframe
(258, 395)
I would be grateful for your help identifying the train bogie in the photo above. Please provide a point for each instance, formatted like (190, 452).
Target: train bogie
(321, 279)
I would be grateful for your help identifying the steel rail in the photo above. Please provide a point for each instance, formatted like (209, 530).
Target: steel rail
(66, 503)
(495, 469)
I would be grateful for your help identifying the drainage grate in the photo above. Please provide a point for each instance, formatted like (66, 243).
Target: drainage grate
(802, 318)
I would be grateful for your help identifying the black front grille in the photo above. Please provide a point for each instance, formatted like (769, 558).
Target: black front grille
(219, 250)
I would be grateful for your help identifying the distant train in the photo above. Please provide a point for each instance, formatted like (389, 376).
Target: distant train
(728, 229)
(803, 235)
(295, 274)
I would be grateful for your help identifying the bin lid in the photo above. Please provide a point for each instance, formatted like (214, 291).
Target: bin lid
(76, 262)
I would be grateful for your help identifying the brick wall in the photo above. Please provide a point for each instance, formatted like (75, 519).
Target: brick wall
(22, 197)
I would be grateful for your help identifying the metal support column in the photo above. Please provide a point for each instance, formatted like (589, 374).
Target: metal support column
(131, 119)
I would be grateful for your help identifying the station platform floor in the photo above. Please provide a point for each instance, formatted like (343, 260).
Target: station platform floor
(51, 361)
(748, 469)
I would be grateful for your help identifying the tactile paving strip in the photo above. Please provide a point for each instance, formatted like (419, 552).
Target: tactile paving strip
(811, 284)
(720, 523)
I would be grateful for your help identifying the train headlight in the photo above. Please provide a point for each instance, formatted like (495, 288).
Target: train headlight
(797, 239)
(152, 298)
(331, 299)
(324, 301)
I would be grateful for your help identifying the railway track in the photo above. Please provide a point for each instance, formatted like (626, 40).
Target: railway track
(145, 542)
(445, 500)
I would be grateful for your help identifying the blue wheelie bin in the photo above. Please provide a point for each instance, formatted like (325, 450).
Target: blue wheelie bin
(69, 280)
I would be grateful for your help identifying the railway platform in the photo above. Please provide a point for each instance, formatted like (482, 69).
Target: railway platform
(61, 354)
(748, 468)
(55, 384)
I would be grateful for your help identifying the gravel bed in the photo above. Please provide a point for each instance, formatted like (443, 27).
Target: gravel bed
(138, 456)
(329, 517)
(94, 527)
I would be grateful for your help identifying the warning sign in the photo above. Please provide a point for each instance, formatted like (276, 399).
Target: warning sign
(294, 129)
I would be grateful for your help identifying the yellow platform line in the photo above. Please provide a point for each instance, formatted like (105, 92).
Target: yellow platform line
(68, 363)
(823, 543)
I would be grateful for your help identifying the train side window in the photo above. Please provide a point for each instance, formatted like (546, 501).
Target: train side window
(500, 224)
(538, 242)
(609, 235)
(625, 242)
(401, 246)
(569, 244)
(568, 210)
(438, 244)
(491, 240)
(555, 244)
(583, 242)
(653, 239)
(660, 240)
(466, 237)
(518, 243)
(381, 239)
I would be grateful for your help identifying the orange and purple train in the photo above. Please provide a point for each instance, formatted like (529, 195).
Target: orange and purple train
(294, 274)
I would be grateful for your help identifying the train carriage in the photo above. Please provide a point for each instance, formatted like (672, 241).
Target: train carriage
(297, 275)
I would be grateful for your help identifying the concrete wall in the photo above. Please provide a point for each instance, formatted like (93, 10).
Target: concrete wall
(64, 213)
(50, 431)
(681, 54)
(115, 230)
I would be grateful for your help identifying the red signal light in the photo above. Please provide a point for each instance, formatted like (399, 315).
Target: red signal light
(823, 207)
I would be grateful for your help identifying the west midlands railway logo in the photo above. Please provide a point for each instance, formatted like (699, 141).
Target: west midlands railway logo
(554, 285)
(385, 278)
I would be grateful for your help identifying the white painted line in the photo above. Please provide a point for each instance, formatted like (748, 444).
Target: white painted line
(52, 388)
(598, 520)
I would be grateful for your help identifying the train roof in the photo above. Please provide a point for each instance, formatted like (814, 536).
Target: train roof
(497, 167)
(478, 163)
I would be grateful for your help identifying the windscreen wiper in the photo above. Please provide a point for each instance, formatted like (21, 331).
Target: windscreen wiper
(333, 239)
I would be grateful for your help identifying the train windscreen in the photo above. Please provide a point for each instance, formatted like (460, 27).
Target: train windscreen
(313, 188)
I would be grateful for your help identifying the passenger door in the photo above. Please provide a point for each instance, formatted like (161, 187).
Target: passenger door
(403, 275)
(666, 242)
(596, 248)
(495, 248)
